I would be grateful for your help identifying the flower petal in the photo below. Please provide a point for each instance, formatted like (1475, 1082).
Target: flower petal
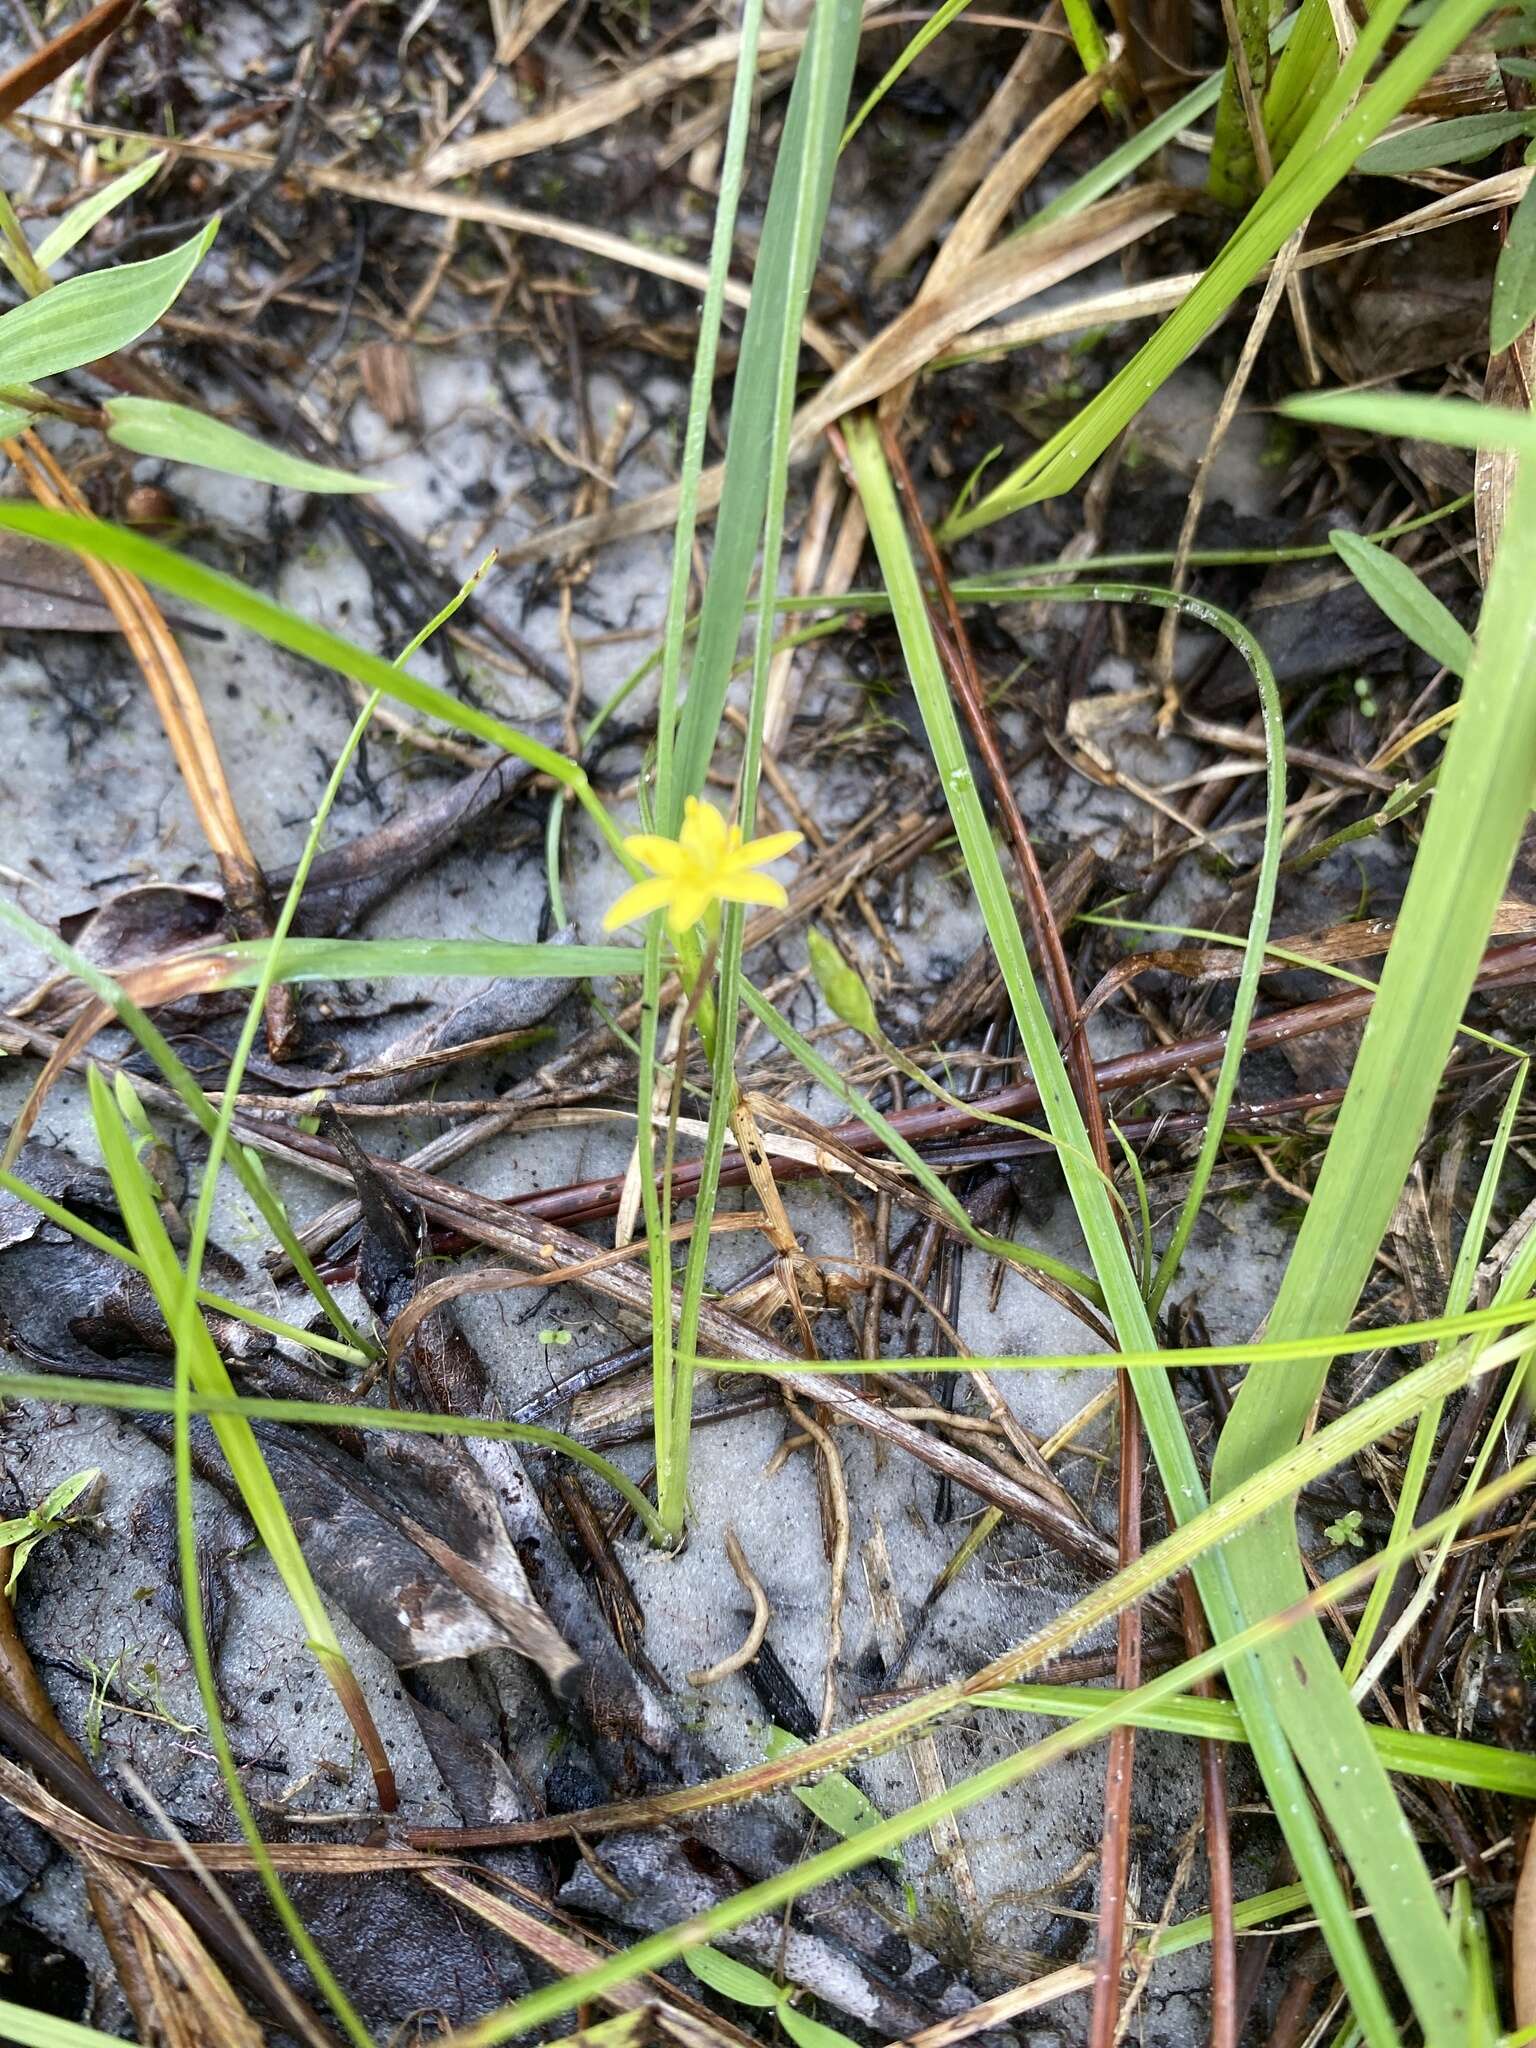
(640, 901)
(689, 902)
(664, 856)
(704, 835)
(751, 887)
(758, 852)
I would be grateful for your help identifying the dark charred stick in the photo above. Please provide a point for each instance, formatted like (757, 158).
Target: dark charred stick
(1503, 967)
(618, 1363)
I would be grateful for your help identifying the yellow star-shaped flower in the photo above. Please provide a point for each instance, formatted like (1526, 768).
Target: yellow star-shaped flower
(706, 864)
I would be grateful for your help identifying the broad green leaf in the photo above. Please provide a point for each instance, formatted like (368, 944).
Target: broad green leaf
(86, 318)
(13, 420)
(1411, 606)
(1426, 148)
(80, 219)
(150, 426)
(1514, 280)
(808, 2033)
(739, 1981)
(835, 1800)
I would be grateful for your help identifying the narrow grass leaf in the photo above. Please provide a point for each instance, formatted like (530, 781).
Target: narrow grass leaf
(1409, 603)
(792, 226)
(1475, 822)
(1324, 153)
(1434, 143)
(177, 433)
(242, 606)
(1514, 279)
(86, 318)
(79, 220)
(1443, 1759)
(361, 959)
(1451, 422)
(932, 28)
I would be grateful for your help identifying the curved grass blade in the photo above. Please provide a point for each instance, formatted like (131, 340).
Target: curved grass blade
(242, 606)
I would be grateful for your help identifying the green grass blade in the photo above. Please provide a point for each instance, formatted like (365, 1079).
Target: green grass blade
(899, 1148)
(931, 29)
(1316, 165)
(656, 1195)
(78, 222)
(220, 1303)
(792, 227)
(185, 1085)
(199, 1364)
(1096, 1217)
(1446, 1759)
(1475, 822)
(241, 606)
(1416, 1471)
(361, 959)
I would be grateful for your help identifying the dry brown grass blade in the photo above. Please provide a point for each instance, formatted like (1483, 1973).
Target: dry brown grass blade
(1509, 382)
(180, 707)
(1016, 270)
(1008, 2005)
(458, 206)
(986, 212)
(456, 1285)
(162, 982)
(601, 106)
(24, 1692)
(965, 166)
(1161, 295)
(175, 1914)
(682, 2019)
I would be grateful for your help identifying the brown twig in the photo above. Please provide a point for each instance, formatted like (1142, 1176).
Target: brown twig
(186, 726)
